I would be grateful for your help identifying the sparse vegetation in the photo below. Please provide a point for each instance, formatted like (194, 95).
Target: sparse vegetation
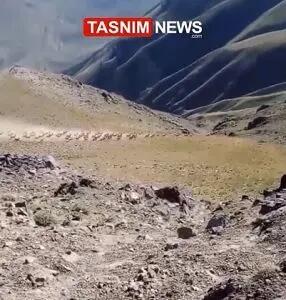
(44, 218)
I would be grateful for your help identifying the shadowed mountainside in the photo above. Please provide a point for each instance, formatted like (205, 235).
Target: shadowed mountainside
(243, 43)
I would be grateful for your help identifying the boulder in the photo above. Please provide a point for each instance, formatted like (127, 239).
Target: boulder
(50, 162)
(217, 223)
(171, 194)
(171, 246)
(221, 291)
(271, 205)
(282, 183)
(86, 182)
(185, 233)
(259, 121)
(66, 188)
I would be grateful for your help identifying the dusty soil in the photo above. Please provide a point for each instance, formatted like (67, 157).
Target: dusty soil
(66, 236)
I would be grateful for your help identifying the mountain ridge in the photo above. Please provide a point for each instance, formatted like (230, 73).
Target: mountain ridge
(145, 71)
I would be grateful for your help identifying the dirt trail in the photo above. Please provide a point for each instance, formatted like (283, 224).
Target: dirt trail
(16, 131)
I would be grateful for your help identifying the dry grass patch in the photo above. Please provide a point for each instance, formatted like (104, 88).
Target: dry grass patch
(217, 167)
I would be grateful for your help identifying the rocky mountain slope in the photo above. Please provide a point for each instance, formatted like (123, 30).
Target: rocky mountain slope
(260, 117)
(102, 198)
(68, 236)
(41, 106)
(242, 51)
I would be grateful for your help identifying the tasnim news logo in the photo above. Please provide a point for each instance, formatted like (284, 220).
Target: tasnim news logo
(138, 27)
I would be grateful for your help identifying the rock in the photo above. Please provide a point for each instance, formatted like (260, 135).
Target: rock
(171, 194)
(146, 275)
(131, 196)
(219, 207)
(26, 163)
(28, 260)
(221, 125)
(133, 286)
(22, 212)
(232, 134)
(20, 204)
(104, 95)
(282, 183)
(76, 216)
(275, 199)
(124, 196)
(149, 193)
(256, 202)
(282, 266)
(32, 172)
(241, 268)
(36, 281)
(40, 281)
(30, 277)
(134, 197)
(171, 246)
(262, 107)
(121, 224)
(245, 197)
(85, 182)
(143, 275)
(221, 291)
(256, 123)
(188, 279)
(261, 223)
(216, 224)
(144, 237)
(152, 271)
(272, 225)
(271, 205)
(9, 213)
(126, 187)
(50, 162)
(163, 211)
(55, 273)
(71, 257)
(185, 131)
(169, 294)
(66, 188)
(8, 198)
(267, 193)
(185, 233)
(8, 244)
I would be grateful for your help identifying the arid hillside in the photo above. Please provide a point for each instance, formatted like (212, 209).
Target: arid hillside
(95, 130)
(101, 198)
